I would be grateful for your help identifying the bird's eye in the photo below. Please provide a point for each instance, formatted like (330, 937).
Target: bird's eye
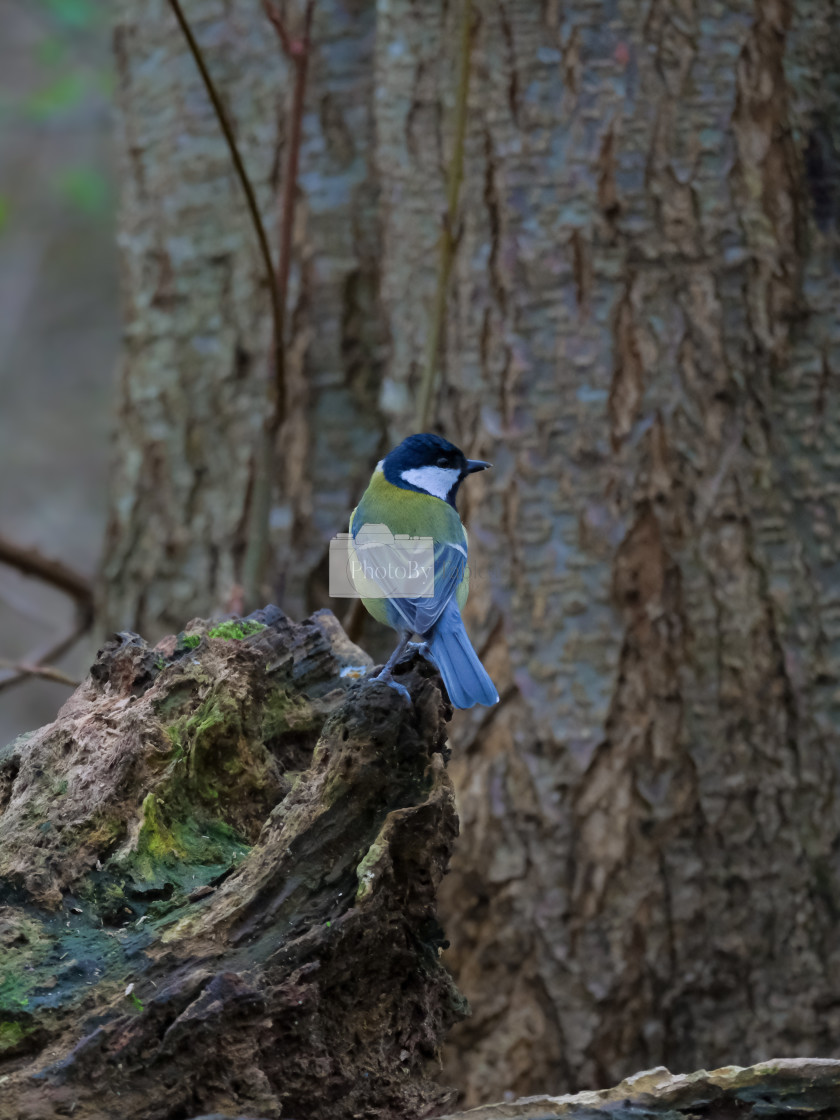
(442, 461)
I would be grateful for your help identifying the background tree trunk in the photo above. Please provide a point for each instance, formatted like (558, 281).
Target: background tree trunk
(196, 359)
(642, 336)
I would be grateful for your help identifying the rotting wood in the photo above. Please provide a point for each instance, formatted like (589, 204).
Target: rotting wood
(218, 870)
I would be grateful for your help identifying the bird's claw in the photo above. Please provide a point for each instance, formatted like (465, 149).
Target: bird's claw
(386, 678)
(420, 647)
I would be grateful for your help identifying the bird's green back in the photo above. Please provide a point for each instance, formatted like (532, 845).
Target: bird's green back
(414, 513)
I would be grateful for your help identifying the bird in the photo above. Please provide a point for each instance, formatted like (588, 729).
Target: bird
(412, 494)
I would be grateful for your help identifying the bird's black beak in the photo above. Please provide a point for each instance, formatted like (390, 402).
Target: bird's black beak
(474, 465)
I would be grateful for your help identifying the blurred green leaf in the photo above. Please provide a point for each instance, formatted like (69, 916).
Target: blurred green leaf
(85, 188)
(4, 211)
(56, 98)
(73, 13)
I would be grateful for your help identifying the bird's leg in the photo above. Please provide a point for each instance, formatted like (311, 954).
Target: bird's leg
(386, 676)
(395, 656)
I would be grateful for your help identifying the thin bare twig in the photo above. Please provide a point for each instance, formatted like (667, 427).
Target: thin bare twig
(46, 672)
(448, 238)
(276, 304)
(39, 662)
(30, 562)
(279, 25)
(297, 50)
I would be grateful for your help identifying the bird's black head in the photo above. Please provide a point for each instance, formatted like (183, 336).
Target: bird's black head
(430, 464)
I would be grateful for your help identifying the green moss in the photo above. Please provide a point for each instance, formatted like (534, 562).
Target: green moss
(181, 694)
(193, 738)
(283, 712)
(190, 641)
(10, 1035)
(155, 843)
(168, 843)
(181, 851)
(106, 897)
(216, 768)
(103, 832)
(21, 955)
(175, 735)
(209, 714)
(53, 960)
(368, 869)
(236, 629)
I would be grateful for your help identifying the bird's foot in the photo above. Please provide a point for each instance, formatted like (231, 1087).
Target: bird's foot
(422, 648)
(386, 678)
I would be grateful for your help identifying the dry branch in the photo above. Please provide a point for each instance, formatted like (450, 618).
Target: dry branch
(277, 304)
(34, 669)
(30, 562)
(218, 871)
(38, 662)
(278, 282)
(297, 51)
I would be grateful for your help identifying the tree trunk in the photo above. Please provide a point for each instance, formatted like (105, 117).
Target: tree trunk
(642, 336)
(218, 872)
(196, 361)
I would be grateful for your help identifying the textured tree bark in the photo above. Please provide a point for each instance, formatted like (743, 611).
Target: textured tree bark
(643, 338)
(193, 381)
(217, 885)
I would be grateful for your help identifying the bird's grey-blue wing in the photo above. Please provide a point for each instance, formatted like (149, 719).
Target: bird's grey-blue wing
(382, 558)
(422, 613)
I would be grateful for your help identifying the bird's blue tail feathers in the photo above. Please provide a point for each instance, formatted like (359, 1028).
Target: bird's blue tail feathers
(463, 674)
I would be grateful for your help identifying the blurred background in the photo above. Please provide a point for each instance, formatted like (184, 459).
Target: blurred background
(59, 319)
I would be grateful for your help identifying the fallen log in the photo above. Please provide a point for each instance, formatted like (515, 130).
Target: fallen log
(218, 870)
(796, 1088)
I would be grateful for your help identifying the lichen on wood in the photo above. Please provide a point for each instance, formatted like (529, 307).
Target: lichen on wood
(218, 870)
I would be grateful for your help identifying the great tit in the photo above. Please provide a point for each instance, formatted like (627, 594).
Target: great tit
(412, 492)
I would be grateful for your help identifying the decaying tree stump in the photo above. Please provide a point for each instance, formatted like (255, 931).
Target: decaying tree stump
(218, 870)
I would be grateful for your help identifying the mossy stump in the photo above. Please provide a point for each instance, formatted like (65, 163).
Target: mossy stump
(218, 870)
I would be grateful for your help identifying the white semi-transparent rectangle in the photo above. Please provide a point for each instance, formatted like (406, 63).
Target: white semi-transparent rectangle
(380, 565)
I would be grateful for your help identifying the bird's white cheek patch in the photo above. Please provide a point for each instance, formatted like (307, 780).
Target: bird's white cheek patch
(437, 481)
